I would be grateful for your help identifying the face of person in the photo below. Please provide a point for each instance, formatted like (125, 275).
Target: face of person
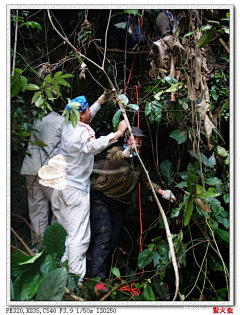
(138, 141)
(86, 117)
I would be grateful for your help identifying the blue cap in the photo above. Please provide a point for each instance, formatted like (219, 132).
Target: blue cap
(82, 102)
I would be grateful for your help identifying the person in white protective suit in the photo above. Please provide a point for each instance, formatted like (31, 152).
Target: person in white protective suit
(45, 132)
(72, 205)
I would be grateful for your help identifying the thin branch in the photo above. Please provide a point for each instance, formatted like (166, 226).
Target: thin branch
(105, 50)
(77, 298)
(30, 227)
(23, 243)
(15, 45)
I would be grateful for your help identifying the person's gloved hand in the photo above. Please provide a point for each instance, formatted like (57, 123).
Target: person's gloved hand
(168, 195)
(108, 96)
(128, 152)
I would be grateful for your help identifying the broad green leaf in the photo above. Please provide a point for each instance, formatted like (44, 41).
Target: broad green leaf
(68, 75)
(134, 106)
(116, 272)
(182, 185)
(213, 181)
(31, 260)
(40, 101)
(188, 212)
(32, 87)
(47, 266)
(158, 95)
(30, 284)
(134, 12)
(57, 74)
(23, 83)
(17, 70)
(121, 25)
(206, 37)
(35, 97)
(148, 293)
(123, 98)
(116, 118)
(15, 86)
(54, 239)
(200, 189)
(76, 112)
(174, 87)
(49, 94)
(148, 108)
(221, 151)
(167, 171)
(179, 135)
(48, 78)
(52, 288)
(145, 258)
(183, 175)
(156, 259)
(63, 82)
(73, 119)
(223, 234)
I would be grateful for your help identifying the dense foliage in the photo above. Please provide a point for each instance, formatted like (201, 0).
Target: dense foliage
(178, 89)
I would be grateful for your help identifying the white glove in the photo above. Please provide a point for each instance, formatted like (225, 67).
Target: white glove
(168, 195)
(128, 152)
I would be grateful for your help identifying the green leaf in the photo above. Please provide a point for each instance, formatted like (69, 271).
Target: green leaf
(116, 118)
(123, 98)
(221, 151)
(213, 181)
(17, 70)
(47, 266)
(206, 37)
(116, 272)
(156, 259)
(52, 288)
(167, 171)
(40, 101)
(179, 135)
(49, 93)
(54, 239)
(57, 74)
(188, 212)
(30, 284)
(67, 75)
(48, 78)
(36, 96)
(122, 25)
(224, 235)
(134, 12)
(76, 113)
(134, 107)
(148, 293)
(15, 86)
(73, 119)
(23, 83)
(174, 87)
(145, 258)
(32, 87)
(182, 185)
(148, 108)
(63, 82)
(31, 260)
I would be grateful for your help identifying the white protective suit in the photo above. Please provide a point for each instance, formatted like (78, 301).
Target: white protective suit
(72, 205)
(49, 131)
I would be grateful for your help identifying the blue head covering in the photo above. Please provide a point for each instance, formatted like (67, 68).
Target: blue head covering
(82, 102)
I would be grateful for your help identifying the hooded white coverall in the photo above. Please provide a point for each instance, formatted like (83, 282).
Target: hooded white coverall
(72, 205)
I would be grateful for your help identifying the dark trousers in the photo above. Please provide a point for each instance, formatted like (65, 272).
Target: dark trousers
(106, 217)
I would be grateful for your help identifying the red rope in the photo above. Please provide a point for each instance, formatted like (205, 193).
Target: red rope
(130, 73)
(139, 185)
